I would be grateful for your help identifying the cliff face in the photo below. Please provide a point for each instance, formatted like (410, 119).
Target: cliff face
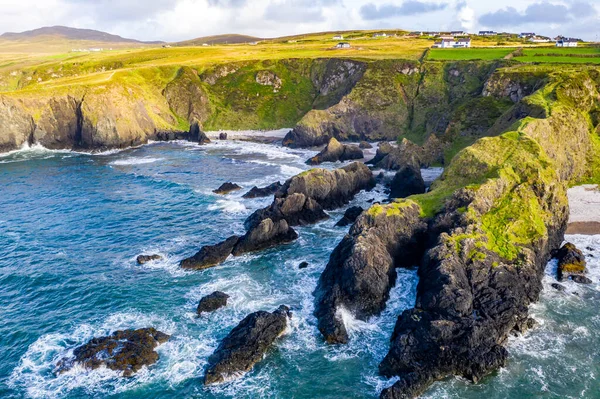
(493, 220)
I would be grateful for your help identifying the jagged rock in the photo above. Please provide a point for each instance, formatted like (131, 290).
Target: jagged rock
(336, 152)
(246, 345)
(142, 259)
(127, 351)
(559, 287)
(571, 261)
(579, 279)
(256, 192)
(222, 136)
(212, 302)
(365, 145)
(266, 234)
(303, 265)
(362, 268)
(406, 182)
(302, 200)
(197, 135)
(407, 153)
(350, 216)
(268, 78)
(383, 150)
(210, 255)
(227, 188)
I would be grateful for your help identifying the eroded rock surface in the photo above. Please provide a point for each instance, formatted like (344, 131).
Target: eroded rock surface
(142, 259)
(571, 261)
(210, 255)
(227, 188)
(336, 152)
(212, 302)
(126, 351)
(256, 192)
(407, 181)
(246, 345)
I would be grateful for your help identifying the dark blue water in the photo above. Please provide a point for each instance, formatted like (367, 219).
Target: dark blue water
(71, 226)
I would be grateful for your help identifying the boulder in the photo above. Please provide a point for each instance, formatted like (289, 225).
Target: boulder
(362, 268)
(407, 181)
(246, 345)
(197, 135)
(559, 287)
(303, 265)
(210, 255)
(227, 188)
(266, 234)
(571, 261)
(256, 192)
(222, 136)
(383, 150)
(336, 151)
(350, 216)
(365, 145)
(126, 351)
(142, 259)
(212, 302)
(580, 279)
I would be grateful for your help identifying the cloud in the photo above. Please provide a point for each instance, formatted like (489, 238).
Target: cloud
(227, 3)
(410, 7)
(298, 11)
(115, 11)
(465, 15)
(538, 13)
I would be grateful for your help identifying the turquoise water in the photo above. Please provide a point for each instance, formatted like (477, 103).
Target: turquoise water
(71, 226)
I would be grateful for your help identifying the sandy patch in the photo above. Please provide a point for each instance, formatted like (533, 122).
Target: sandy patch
(584, 202)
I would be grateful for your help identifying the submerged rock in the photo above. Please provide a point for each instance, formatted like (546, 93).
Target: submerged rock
(142, 259)
(212, 302)
(303, 265)
(336, 151)
(350, 216)
(571, 261)
(407, 181)
(559, 287)
(127, 351)
(227, 188)
(222, 136)
(210, 255)
(256, 192)
(246, 345)
(579, 279)
(362, 268)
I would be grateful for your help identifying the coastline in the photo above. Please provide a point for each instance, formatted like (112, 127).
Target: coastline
(584, 203)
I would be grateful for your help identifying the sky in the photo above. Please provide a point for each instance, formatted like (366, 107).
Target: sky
(174, 20)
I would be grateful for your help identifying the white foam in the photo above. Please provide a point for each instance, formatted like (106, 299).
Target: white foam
(228, 206)
(135, 161)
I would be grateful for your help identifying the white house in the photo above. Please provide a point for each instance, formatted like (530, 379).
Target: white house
(380, 35)
(540, 39)
(453, 43)
(458, 33)
(526, 35)
(566, 43)
(463, 43)
(487, 33)
(343, 45)
(338, 37)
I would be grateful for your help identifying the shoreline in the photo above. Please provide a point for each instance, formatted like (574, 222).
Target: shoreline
(584, 204)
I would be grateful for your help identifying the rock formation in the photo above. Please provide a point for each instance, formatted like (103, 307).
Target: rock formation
(126, 351)
(336, 152)
(350, 216)
(246, 345)
(212, 302)
(256, 192)
(571, 261)
(210, 255)
(227, 188)
(407, 181)
(142, 259)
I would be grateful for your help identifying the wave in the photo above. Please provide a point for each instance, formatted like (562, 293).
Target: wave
(135, 161)
(228, 206)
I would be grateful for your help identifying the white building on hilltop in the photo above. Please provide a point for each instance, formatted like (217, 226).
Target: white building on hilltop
(453, 43)
(565, 42)
(343, 45)
(338, 37)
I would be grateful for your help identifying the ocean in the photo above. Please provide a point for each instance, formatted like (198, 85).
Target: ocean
(72, 225)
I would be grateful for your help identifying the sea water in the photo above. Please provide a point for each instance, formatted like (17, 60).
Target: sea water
(72, 224)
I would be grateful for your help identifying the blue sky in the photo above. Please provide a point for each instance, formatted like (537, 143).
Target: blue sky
(173, 20)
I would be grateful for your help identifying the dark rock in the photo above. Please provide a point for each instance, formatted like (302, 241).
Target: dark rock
(246, 345)
(406, 182)
(336, 151)
(579, 279)
(265, 235)
(197, 135)
(559, 287)
(383, 150)
(303, 265)
(362, 268)
(127, 351)
(212, 302)
(210, 255)
(365, 145)
(408, 153)
(222, 136)
(226, 188)
(256, 192)
(571, 261)
(142, 259)
(381, 176)
(350, 216)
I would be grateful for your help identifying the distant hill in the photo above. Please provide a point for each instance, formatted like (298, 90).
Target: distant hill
(64, 32)
(220, 39)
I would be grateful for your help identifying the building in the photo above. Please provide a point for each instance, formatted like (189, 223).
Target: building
(567, 42)
(487, 33)
(458, 33)
(343, 45)
(415, 34)
(539, 39)
(338, 37)
(453, 43)
(526, 35)
(380, 35)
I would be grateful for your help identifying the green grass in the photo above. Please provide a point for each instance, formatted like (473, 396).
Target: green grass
(466, 54)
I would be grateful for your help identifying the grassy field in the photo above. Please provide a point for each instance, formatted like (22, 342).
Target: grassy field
(469, 54)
